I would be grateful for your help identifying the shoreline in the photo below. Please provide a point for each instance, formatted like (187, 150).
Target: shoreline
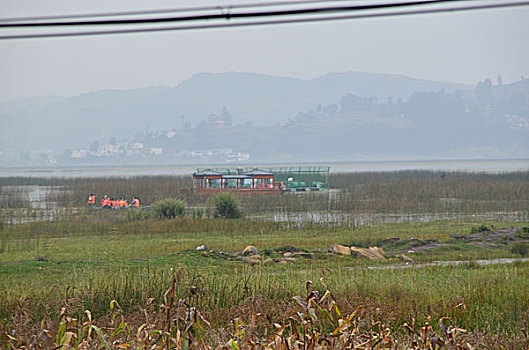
(450, 165)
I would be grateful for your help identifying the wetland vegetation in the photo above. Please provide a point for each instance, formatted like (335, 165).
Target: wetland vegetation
(185, 282)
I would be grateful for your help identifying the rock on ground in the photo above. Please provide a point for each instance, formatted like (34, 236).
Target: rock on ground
(253, 259)
(406, 258)
(340, 249)
(249, 250)
(373, 253)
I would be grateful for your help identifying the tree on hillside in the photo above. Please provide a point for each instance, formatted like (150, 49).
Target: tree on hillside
(226, 116)
(484, 91)
(94, 146)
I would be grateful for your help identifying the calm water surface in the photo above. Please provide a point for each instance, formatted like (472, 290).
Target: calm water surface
(490, 166)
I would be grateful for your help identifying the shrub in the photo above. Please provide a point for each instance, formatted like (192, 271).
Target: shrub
(523, 233)
(480, 228)
(169, 208)
(198, 213)
(227, 206)
(134, 214)
(520, 248)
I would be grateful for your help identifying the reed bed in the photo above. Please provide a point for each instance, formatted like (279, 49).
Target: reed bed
(13, 198)
(398, 192)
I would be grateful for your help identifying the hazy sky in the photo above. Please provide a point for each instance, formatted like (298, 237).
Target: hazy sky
(462, 47)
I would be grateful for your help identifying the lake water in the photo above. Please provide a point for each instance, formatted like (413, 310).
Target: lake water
(490, 166)
(340, 219)
(451, 263)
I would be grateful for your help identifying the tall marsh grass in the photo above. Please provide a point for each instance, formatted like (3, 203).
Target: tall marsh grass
(398, 192)
(482, 299)
(316, 321)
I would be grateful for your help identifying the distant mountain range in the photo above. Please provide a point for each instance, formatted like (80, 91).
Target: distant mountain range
(55, 123)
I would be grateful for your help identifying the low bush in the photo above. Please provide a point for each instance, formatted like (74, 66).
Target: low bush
(134, 214)
(227, 206)
(480, 228)
(169, 208)
(520, 248)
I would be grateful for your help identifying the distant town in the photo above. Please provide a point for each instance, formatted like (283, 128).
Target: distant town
(148, 147)
(139, 150)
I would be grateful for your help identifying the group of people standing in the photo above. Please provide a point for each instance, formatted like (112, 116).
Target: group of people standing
(113, 203)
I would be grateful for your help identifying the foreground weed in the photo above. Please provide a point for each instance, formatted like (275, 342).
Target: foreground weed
(318, 323)
(313, 322)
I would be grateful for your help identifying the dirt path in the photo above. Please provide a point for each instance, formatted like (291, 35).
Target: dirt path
(486, 237)
(449, 263)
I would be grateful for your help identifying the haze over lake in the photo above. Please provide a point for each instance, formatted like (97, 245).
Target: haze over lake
(488, 166)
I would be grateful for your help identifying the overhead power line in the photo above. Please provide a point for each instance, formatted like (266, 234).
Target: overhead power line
(227, 16)
(221, 8)
(272, 22)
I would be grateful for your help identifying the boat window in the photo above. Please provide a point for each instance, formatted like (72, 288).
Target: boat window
(247, 183)
(263, 183)
(229, 183)
(213, 183)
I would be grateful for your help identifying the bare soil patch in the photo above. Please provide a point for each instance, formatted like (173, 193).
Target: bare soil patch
(486, 237)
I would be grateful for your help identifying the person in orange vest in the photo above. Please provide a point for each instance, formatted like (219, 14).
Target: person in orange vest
(135, 202)
(123, 204)
(105, 203)
(91, 200)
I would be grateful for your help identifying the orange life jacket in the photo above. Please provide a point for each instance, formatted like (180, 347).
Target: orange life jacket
(91, 199)
(135, 203)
